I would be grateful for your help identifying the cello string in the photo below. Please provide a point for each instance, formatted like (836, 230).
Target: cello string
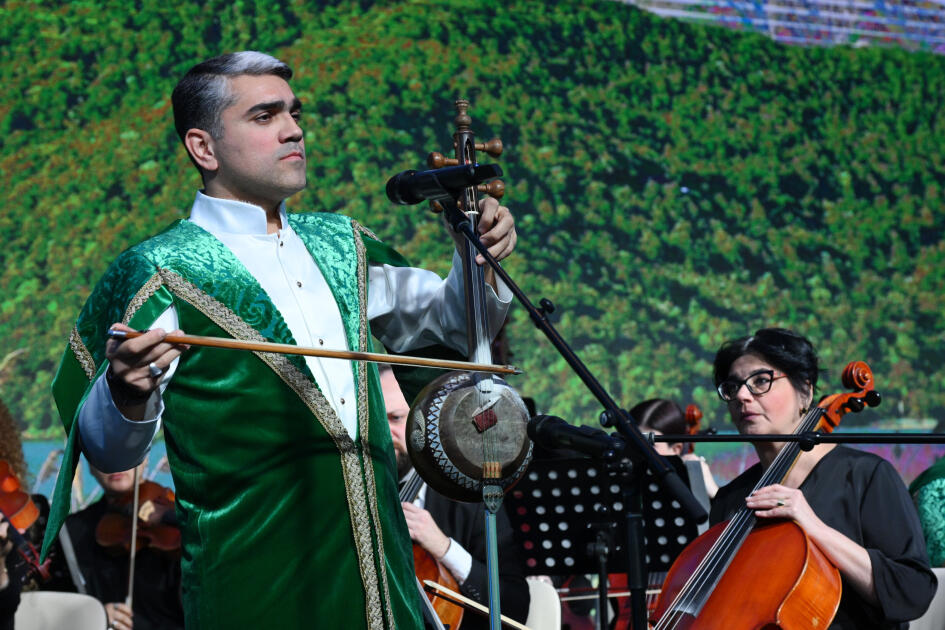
(725, 547)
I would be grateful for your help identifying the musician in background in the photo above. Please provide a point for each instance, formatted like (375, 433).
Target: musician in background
(453, 531)
(23, 562)
(157, 577)
(664, 417)
(9, 588)
(851, 503)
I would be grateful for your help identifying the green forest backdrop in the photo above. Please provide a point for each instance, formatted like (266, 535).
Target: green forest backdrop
(674, 185)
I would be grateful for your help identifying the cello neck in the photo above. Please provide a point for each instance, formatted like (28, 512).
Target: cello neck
(411, 488)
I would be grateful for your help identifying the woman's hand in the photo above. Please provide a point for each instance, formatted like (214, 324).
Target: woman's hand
(851, 558)
(779, 501)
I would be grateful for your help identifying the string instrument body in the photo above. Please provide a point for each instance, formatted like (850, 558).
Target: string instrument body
(428, 568)
(743, 574)
(802, 593)
(156, 528)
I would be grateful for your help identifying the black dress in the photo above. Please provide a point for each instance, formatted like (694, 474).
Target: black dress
(863, 497)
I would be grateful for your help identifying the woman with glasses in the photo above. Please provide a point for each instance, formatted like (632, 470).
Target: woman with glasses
(852, 504)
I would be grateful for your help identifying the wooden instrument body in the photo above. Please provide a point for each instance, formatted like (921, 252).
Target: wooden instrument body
(778, 579)
(445, 443)
(426, 567)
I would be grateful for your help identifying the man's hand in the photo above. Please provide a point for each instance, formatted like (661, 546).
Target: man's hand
(424, 530)
(119, 616)
(496, 229)
(136, 367)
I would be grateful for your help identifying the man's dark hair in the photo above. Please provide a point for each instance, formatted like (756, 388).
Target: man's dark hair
(201, 96)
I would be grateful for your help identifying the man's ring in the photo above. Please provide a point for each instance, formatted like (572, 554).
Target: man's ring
(780, 501)
(155, 370)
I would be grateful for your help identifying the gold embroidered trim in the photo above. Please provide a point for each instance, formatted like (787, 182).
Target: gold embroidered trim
(82, 354)
(360, 228)
(364, 419)
(144, 294)
(309, 393)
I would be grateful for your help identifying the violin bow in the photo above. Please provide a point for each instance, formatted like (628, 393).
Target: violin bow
(460, 600)
(286, 348)
(132, 550)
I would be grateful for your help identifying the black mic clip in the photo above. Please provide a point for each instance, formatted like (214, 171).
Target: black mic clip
(410, 187)
(553, 433)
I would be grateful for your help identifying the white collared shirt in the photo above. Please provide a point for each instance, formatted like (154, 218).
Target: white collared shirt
(410, 308)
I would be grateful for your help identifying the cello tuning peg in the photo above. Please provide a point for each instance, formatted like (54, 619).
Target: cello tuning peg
(495, 188)
(438, 160)
(493, 147)
(436, 207)
(855, 405)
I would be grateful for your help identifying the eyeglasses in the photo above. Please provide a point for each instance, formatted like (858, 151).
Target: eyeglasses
(758, 383)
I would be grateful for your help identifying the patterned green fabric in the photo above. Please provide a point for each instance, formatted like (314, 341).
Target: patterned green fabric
(285, 518)
(928, 491)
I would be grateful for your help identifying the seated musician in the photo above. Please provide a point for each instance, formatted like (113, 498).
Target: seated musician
(9, 589)
(454, 532)
(852, 504)
(105, 566)
(23, 561)
(664, 417)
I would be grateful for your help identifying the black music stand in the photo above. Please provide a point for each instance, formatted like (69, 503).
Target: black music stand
(570, 516)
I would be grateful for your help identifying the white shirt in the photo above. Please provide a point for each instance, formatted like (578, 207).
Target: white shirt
(411, 308)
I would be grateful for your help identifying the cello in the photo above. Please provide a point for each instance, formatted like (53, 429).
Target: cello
(794, 584)
(426, 567)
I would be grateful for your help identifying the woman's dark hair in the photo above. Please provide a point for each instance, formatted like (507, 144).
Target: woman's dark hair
(660, 415)
(784, 349)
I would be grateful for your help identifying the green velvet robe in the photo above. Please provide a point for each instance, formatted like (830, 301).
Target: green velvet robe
(287, 521)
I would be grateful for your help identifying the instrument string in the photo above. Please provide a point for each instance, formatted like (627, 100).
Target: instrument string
(703, 580)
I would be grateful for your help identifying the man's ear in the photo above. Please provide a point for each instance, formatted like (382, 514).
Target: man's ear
(201, 147)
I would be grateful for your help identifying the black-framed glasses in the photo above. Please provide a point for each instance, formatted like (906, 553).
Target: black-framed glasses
(758, 383)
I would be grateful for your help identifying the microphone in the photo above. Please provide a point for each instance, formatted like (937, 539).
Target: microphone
(553, 432)
(410, 187)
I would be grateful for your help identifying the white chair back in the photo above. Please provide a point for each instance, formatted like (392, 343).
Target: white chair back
(52, 610)
(934, 617)
(544, 610)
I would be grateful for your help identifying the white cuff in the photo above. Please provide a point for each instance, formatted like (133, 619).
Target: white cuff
(458, 561)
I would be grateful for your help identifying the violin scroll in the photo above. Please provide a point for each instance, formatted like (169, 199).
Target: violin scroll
(856, 375)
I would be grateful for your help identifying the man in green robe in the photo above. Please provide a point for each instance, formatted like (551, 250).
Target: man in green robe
(282, 465)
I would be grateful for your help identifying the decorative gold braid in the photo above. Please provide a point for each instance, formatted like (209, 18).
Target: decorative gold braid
(364, 414)
(360, 228)
(82, 354)
(144, 294)
(313, 398)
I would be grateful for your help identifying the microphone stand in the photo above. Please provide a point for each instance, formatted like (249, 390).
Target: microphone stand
(809, 439)
(637, 449)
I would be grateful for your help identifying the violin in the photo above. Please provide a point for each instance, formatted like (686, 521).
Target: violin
(156, 527)
(693, 418)
(20, 512)
(792, 583)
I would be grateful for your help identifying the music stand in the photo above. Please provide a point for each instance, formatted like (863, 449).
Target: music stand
(569, 516)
